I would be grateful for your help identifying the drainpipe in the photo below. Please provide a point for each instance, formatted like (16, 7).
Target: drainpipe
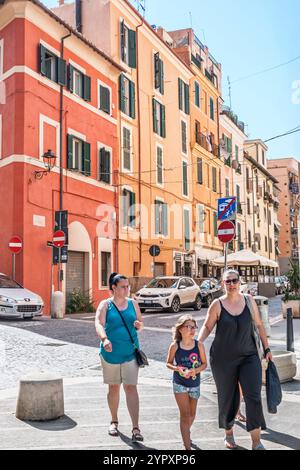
(139, 138)
(61, 129)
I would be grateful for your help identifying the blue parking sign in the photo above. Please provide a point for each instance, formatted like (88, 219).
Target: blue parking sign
(227, 208)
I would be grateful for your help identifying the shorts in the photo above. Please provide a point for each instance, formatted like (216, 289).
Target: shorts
(193, 392)
(117, 374)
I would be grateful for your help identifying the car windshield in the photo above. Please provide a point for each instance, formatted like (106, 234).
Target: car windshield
(205, 285)
(7, 283)
(163, 284)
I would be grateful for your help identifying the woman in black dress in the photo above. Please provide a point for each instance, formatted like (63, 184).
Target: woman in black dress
(235, 360)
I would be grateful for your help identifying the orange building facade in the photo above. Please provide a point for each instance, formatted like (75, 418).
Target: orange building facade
(58, 94)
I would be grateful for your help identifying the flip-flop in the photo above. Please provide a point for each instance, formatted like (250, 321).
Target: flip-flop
(229, 441)
(259, 447)
(137, 436)
(113, 429)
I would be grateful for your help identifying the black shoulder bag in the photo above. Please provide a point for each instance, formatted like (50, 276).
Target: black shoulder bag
(140, 356)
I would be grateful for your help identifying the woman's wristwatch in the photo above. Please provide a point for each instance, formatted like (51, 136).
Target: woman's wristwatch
(267, 351)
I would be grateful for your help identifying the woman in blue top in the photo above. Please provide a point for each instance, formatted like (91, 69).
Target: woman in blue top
(190, 361)
(117, 351)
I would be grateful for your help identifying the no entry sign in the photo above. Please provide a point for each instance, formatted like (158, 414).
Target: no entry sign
(226, 232)
(59, 239)
(15, 245)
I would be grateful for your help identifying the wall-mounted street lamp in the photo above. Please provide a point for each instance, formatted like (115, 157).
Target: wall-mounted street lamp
(49, 159)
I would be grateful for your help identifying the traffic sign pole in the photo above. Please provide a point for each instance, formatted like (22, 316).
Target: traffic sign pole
(226, 256)
(14, 266)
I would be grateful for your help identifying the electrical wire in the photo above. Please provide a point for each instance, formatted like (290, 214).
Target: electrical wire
(266, 70)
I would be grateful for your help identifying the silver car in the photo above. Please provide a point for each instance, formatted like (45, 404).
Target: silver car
(17, 302)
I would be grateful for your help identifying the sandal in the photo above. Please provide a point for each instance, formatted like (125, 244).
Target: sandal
(259, 447)
(230, 443)
(113, 429)
(241, 418)
(137, 436)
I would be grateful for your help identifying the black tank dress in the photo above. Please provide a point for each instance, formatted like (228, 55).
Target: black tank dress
(234, 359)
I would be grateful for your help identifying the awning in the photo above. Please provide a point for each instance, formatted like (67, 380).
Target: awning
(245, 258)
(206, 255)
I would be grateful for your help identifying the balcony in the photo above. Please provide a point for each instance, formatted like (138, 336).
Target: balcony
(197, 62)
(233, 117)
(204, 142)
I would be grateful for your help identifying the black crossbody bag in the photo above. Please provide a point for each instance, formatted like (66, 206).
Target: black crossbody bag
(140, 356)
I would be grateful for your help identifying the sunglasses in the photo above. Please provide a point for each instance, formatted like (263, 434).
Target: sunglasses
(191, 328)
(232, 281)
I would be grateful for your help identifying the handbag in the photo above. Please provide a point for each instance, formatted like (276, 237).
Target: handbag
(273, 388)
(255, 331)
(140, 356)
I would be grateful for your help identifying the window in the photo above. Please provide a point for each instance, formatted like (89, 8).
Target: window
(237, 153)
(187, 236)
(105, 99)
(159, 165)
(185, 178)
(249, 240)
(158, 74)
(161, 218)
(201, 218)
(239, 227)
(271, 245)
(79, 83)
(263, 158)
(227, 187)
(128, 45)
(197, 95)
(52, 67)
(266, 244)
(104, 166)
(79, 155)
(184, 137)
(238, 194)
(198, 132)
(199, 171)
(159, 118)
(128, 208)
(105, 268)
(127, 149)
(184, 96)
(214, 180)
(212, 109)
(215, 224)
(248, 207)
(127, 96)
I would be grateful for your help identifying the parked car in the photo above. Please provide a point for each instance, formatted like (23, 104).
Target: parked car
(210, 290)
(281, 285)
(18, 302)
(169, 293)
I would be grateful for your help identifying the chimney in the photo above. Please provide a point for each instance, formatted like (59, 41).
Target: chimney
(79, 15)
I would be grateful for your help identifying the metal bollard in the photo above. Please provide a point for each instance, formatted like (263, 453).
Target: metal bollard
(290, 331)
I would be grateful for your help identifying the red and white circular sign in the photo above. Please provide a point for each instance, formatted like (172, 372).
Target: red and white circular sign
(15, 245)
(226, 232)
(59, 239)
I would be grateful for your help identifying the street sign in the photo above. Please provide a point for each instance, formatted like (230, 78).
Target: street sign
(227, 208)
(60, 255)
(59, 239)
(226, 232)
(15, 245)
(154, 251)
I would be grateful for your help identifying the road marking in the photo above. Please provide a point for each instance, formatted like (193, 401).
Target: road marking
(275, 320)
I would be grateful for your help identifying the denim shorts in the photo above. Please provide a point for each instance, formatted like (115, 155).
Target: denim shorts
(193, 392)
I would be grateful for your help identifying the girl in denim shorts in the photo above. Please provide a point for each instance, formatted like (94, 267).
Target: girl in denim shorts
(190, 360)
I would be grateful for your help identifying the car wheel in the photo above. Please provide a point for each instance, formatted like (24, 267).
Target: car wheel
(209, 300)
(198, 303)
(175, 306)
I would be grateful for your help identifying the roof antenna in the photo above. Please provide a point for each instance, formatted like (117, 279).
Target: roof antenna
(229, 89)
(191, 19)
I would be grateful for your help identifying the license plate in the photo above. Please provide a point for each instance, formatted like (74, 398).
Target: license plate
(27, 316)
(148, 302)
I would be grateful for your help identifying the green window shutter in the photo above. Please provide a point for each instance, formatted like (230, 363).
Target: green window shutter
(186, 98)
(214, 175)
(157, 218)
(163, 120)
(71, 78)
(105, 99)
(104, 166)
(42, 59)
(187, 237)
(229, 146)
(125, 208)
(159, 166)
(165, 219)
(86, 88)
(132, 49)
(215, 224)
(212, 109)
(180, 88)
(132, 99)
(132, 220)
(184, 136)
(197, 94)
(154, 106)
(156, 71)
(86, 158)
(122, 92)
(61, 72)
(162, 77)
(70, 152)
(200, 170)
(185, 179)
(122, 26)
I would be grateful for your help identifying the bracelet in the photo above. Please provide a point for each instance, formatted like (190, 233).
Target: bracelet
(267, 351)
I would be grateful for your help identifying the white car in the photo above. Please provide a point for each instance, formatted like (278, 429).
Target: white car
(169, 293)
(17, 302)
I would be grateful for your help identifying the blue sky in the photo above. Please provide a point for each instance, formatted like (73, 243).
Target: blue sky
(247, 37)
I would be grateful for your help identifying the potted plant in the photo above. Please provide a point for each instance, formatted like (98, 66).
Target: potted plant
(291, 299)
